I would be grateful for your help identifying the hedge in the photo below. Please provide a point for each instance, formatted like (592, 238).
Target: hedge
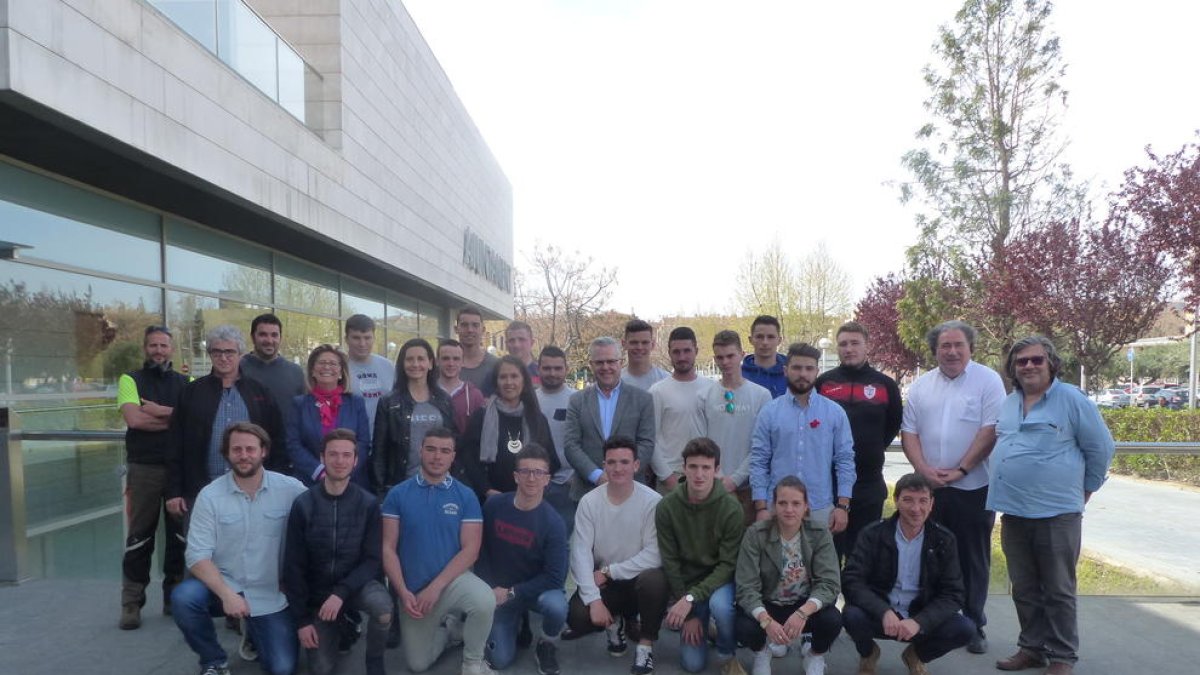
(1156, 425)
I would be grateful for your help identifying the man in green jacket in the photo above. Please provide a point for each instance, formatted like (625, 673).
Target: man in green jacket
(699, 533)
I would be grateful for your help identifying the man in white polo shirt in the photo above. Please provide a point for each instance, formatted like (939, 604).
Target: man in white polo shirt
(948, 431)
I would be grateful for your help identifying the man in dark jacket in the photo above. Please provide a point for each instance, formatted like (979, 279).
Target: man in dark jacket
(903, 582)
(206, 408)
(333, 560)
(872, 403)
(146, 399)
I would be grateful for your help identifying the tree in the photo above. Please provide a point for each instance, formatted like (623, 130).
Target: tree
(878, 312)
(560, 295)
(809, 297)
(988, 166)
(1096, 289)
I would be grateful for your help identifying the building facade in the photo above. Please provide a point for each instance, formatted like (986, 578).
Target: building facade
(198, 162)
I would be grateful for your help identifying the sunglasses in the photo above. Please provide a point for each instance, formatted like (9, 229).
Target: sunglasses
(729, 406)
(1029, 360)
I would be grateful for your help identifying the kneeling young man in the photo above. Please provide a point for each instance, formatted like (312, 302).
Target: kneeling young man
(525, 562)
(432, 531)
(903, 582)
(699, 535)
(234, 552)
(333, 560)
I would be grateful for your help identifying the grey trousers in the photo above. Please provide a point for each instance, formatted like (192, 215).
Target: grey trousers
(424, 640)
(377, 603)
(1041, 554)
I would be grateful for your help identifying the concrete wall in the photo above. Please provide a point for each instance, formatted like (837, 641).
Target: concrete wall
(395, 171)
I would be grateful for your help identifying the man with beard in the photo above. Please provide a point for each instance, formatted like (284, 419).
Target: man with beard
(679, 413)
(234, 552)
(806, 435)
(872, 402)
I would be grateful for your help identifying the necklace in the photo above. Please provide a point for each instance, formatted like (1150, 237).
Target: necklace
(514, 443)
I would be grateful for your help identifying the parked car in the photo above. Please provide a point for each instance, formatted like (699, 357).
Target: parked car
(1142, 397)
(1171, 399)
(1113, 398)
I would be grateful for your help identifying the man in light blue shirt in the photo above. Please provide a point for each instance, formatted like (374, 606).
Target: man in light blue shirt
(234, 552)
(806, 435)
(1052, 452)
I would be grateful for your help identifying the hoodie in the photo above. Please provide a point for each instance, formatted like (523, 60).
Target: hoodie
(699, 543)
(773, 378)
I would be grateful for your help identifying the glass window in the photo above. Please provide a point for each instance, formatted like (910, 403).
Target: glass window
(190, 316)
(403, 323)
(247, 44)
(291, 80)
(65, 224)
(304, 287)
(304, 332)
(431, 321)
(65, 339)
(207, 261)
(197, 18)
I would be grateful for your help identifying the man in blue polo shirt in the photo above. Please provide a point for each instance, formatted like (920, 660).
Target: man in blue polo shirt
(432, 532)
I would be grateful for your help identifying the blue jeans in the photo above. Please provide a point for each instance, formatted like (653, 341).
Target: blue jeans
(694, 658)
(193, 606)
(502, 642)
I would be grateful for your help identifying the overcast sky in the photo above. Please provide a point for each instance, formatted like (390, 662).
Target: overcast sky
(668, 138)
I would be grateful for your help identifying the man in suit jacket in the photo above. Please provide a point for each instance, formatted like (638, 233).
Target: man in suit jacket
(604, 410)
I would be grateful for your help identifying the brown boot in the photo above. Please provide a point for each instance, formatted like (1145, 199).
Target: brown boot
(1022, 660)
(131, 617)
(866, 664)
(915, 665)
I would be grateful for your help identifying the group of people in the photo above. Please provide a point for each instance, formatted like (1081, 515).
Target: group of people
(442, 499)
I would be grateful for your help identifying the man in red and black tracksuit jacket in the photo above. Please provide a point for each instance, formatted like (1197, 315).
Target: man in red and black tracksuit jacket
(872, 402)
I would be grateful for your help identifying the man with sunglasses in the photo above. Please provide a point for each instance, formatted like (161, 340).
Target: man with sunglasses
(1052, 452)
(948, 430)
(146, 397)
(732, 409)
(524, 560)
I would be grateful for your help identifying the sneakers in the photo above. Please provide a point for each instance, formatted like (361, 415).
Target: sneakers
(246, 649)
(915, 665)
(222, 669)
(643, 662)
(349, 630)
(732, 667)
(778, 651)
(866, 664)
(479, 667)
(546, 656)
(131, 617)
(978, 644)
(762, 663)
(454, 630)
(814, 664)
(616, 638)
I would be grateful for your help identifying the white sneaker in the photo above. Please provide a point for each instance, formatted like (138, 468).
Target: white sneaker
(778, 651)
(479, 667)
(814, 664)
(762, 663)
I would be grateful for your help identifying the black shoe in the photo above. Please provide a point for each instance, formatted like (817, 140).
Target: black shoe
(349, 629)
(524, 635)
(546, 656)
(643, 663)
(978, 644)
(616, 638)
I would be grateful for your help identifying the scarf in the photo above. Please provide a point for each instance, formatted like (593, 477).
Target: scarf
(489, 436)
(329, 402)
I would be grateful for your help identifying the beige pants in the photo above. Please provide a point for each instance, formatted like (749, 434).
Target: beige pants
(425, 639)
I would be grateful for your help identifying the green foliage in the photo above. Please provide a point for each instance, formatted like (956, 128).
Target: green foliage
(1155, 425)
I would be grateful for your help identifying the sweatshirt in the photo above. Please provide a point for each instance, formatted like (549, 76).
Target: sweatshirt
(699, 543)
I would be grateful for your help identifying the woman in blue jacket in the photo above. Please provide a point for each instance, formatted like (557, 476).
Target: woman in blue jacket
(328, 405)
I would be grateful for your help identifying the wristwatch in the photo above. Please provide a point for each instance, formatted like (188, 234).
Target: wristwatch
(604, 571)
(844, 507)
(765, 621)
(690, 598)
(511, 594)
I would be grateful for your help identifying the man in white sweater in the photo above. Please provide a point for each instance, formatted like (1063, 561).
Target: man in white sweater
(619, 575)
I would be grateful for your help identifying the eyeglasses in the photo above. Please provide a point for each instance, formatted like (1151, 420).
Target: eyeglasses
(606, 362)
(729, 406)
(328, 364)
(531, 473)
(223, 353)
(1029, 360)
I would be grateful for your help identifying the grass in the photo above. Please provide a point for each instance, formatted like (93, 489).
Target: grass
(1095, 577)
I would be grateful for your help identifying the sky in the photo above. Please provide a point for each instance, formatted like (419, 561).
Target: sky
(671, 138)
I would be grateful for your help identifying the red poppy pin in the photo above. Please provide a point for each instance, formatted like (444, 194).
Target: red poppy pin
(814, 424)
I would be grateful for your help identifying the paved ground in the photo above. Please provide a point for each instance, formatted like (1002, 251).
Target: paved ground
(1145, 526)
(60, 626)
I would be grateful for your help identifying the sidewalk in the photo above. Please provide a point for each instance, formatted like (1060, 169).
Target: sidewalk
(65, 626)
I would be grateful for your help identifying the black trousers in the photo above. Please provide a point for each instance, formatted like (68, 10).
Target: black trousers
(866, 507)
(644, 597)
(964, 512)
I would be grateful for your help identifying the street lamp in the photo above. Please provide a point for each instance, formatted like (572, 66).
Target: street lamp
(824, 343)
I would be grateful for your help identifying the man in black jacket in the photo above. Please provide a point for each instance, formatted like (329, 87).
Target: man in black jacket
(872, 402)
(903, 582)
(333, 560)
(206, 408)
(146, 399)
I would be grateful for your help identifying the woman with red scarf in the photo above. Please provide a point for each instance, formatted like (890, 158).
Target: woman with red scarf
(328, 406)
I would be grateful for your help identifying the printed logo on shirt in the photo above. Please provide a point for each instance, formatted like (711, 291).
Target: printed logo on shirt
(450, 509)
(368, 385)
(512, 534)
(869, 391)
(426, 419)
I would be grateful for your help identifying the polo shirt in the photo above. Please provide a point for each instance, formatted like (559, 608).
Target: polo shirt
(947, 413)
(431, 516)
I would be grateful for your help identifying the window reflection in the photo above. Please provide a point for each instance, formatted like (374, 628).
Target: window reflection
(402, 321)
(304, 332)
(207, 261)
(190, 316)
